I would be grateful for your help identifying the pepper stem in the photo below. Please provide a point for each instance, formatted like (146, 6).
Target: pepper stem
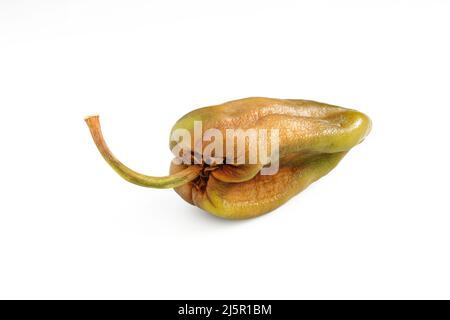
(172, 181)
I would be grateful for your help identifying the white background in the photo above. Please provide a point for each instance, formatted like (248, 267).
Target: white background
(377, 226)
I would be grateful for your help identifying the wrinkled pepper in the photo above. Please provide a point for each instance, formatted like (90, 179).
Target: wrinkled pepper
(313, 138)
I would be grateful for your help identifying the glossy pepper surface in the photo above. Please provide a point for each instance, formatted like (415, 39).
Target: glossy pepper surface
(313, 137)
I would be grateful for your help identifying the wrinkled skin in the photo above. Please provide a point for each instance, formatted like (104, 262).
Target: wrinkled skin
(313, 138)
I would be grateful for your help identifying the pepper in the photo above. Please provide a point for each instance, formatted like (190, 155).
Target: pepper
(312, 138)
